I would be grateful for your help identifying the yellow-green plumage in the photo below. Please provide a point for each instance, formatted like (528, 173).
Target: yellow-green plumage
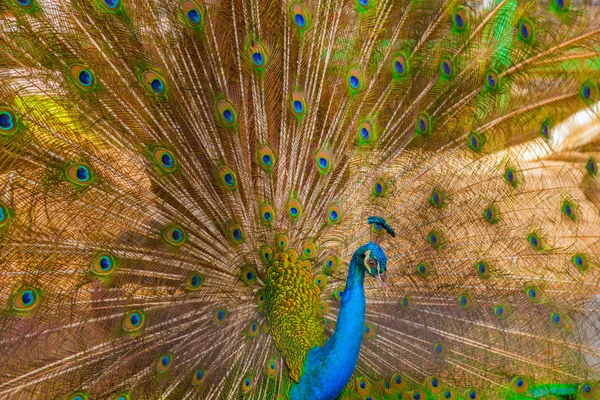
(292, 307)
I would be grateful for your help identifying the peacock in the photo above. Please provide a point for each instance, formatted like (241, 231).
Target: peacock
(299, 199)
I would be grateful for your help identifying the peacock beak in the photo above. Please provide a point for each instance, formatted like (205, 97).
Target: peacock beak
(382, 280)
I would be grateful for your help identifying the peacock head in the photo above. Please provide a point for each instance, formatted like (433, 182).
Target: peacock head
(372, 257)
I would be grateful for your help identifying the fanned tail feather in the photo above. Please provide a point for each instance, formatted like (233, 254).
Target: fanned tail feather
(156, 156)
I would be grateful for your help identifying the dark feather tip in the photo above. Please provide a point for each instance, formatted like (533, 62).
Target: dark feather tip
(380, 223)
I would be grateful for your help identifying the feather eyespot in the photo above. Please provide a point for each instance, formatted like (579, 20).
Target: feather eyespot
(491, 214)
(558, 319)
(534, 294)
(27, 5)
(562, 5)
(406, 303)
(258, 55)
(569, 209)
(8, 121)
(298, 104)
(581, 261)
(334, 214)
(472, 394)
(198, 377)
(79, 174)
(121, 396)
(519, 384)
(459, 19)
(447, 68)
(266, 158)
(260, 298)
(272, 368)
(476, 141)
(79, 396)
(362, 386)
(536, 241)
(434, 385)
(175, 235)
(112, 6)
(227, 178)
(323, 162)
(439, 349)
(511, 177)
(165, 160)
(546, 129)
(247, 384)
(294, 209)
(220, 316)
(354, 79)
(449, 394)
(235, 234)
(323, 307)
(526, 31)
(589, 92)
(491, 79)
(248, 275)
(369, 331)
(25, 299)
(330, 264)
(193, 14)
(309, 250)
(194, 281)
(424, 269)
(423, 124)
(379, 188)
(266, 254)
(163, 363)
(364, 5)
(483, 269)
(226, 113)
(387, 386)
(266, 214)
(592, 166)
(464, 301)
(338, 293)
(399, 66)
(252, 329)
(320, 280)
(82, 76)
(282, 242)
(435, 240)
(437, 198)
(103, 264)
(5, 215)
(502, 311)
(365, 133)
(398, 381)
(133, 321)
(300, 16)
(588, 391)
(154, 83)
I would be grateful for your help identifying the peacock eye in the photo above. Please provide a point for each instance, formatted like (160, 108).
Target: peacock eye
(371, 263)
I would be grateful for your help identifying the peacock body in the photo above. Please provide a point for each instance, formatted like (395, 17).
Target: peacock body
(369, 199)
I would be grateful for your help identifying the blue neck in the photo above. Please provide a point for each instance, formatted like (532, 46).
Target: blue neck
(351, 318)
(328, 369)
